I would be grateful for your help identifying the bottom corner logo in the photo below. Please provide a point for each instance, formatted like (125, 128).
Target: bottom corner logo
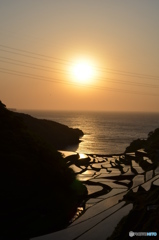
(131, 234)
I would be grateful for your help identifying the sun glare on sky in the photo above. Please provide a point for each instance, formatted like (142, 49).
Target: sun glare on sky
(80, 55)
(83, 72)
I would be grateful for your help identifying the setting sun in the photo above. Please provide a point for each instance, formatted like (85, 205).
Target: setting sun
(83, 72)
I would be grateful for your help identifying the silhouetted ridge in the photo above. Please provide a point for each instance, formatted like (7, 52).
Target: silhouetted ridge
(150, 145)
(37, 188)
(52, 132)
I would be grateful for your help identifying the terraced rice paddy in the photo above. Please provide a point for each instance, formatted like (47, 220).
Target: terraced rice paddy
(108, 180)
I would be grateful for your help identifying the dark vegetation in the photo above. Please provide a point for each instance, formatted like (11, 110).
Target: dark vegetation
(38, 192)
(150, 145)
(144, 217)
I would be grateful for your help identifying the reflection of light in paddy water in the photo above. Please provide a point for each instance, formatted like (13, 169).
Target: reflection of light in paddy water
(75, 168)
(89, 172)
(114, 192)
(157, 170)
(137, 180)
(82, 156)
(109, 183)
(156, 182)
(147, 185)
(87, 175)
(82, 177)
(149, 175)
(93, 189)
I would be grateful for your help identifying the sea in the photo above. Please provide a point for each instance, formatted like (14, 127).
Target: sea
(104, 132)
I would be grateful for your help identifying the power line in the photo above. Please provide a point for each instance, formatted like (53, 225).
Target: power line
(63, 62)
(38, 67)
(32, 53)
(24, 55)
(28, 63)
(54, 70)
(66, 62)
(131, 74)
(40, 78)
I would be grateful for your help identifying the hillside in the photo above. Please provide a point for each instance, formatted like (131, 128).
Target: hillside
(150, 145)
(145, 213)
(37, 188)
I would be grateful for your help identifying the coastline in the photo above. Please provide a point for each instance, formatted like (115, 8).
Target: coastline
(104, 133)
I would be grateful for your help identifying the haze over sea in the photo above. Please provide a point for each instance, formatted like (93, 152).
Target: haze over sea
(104, 132)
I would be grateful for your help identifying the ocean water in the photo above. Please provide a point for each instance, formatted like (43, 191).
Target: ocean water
(104, 132)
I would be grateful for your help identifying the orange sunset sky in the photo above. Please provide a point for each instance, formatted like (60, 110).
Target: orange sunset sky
(96, 55)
